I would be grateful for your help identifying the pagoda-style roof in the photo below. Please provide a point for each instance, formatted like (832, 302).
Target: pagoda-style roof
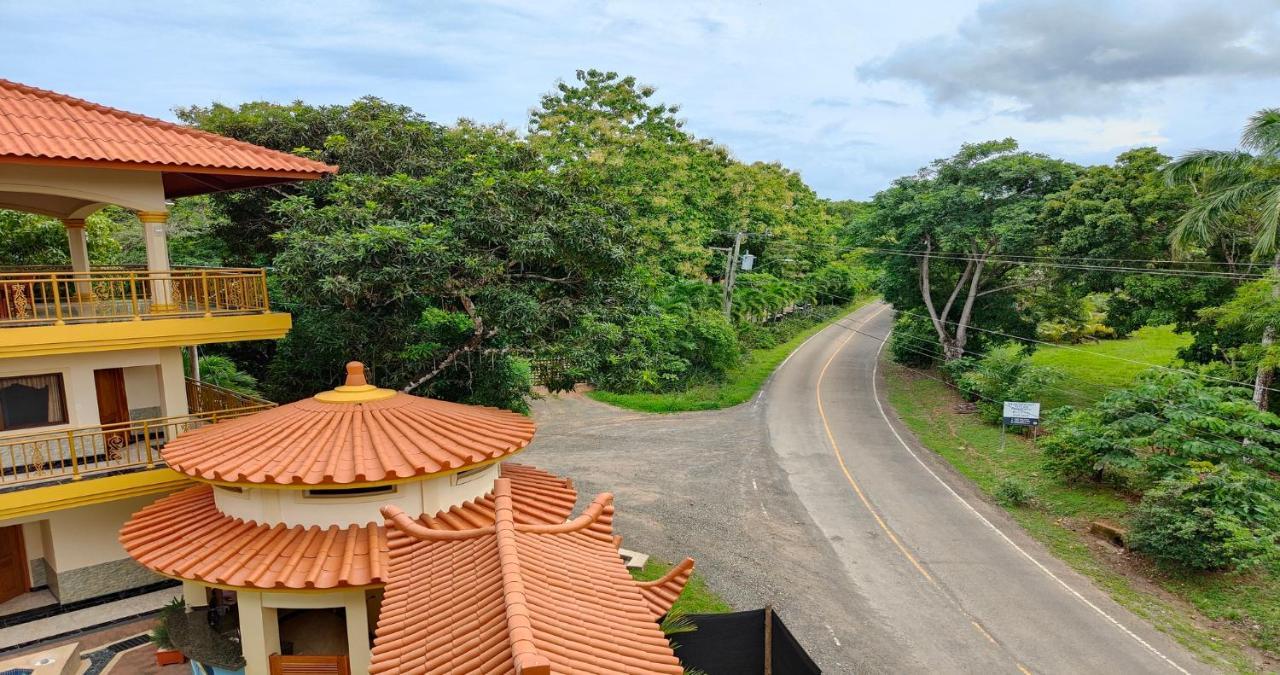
(520, 598)
(38, 126)
(355, 434)
(184, 535)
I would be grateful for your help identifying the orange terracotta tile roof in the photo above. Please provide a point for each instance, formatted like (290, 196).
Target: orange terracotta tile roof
(42, 126)
(185, 535)
(384, 436)
(516, 598)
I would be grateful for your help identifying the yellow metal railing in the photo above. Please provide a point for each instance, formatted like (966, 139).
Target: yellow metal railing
(35, 297)
(76, 453)
(205, 397)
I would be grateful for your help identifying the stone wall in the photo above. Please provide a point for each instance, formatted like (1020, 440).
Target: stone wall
(99, 580)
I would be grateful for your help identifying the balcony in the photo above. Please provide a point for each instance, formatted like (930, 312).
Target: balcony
(83, 452)
(49, 310)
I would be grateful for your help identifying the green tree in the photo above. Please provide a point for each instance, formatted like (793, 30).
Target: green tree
(32, 240)
(674, 188)
(1122, 215)
(950, 221)
(1238, 187)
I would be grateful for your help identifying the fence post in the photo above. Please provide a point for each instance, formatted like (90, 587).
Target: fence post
(262, 286)
(768, 640)
(57, 299)
(146, 442)
(133, 296)
(71, 448)
(204, 290)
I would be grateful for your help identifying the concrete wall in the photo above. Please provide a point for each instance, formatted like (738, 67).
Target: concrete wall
(297, 507)
(83, 553)
(144, 388)
(165, 387)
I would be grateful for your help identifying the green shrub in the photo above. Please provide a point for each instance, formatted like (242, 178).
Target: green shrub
(191, 634)
(1013, 492)
(221, 371)
(662, 351)
(1083, 447)
(1209, 518)
(914, 342)
(1005, 373)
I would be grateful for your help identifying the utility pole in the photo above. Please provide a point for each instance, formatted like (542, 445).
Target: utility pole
(731, 274)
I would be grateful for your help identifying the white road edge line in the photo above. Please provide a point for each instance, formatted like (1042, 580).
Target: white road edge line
(875, 392)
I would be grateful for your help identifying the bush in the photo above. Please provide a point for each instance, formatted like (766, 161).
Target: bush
(191, 634)
(914, 342)
(1083, 447)
(662, 351)
(1210, 518)
(1005, 373)
(1013, 492)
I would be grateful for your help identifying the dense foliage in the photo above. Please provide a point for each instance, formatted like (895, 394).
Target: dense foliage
(940, 234)
(1201, 454)
(458, 260)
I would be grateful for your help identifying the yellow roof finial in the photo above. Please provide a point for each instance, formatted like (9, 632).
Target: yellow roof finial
(356, 389)
(355, 374)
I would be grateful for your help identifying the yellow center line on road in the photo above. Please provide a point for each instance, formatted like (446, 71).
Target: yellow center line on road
(857, 489)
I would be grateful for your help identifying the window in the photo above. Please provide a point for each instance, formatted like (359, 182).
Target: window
(469, 475)
(32, 401)
(351, 491)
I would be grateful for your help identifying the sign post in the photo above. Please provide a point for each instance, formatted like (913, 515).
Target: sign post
(1019, 414)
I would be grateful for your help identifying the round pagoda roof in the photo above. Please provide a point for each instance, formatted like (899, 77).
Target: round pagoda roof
(352, 435)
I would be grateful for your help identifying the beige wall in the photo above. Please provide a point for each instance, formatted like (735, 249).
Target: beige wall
(75, 192)
(295, 507)
(144, 387)
(166, 389)
(89, 535)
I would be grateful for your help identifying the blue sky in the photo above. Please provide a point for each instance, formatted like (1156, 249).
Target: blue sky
(851, 94)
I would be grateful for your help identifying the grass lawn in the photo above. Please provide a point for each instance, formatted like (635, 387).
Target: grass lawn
(696, 598)
(1218, 617)
(740, 384)
(1092, 376)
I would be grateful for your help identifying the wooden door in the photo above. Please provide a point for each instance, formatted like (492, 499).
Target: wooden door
(310, 665)
(13, 563)
(113, 409)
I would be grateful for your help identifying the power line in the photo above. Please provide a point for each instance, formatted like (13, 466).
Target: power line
(1165, 401)
(1247, 385)
(1002, 259)
(1168, 402)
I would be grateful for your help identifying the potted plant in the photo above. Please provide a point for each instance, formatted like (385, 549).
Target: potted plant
(166, 653)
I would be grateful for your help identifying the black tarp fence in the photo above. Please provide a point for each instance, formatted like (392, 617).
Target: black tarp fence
(737, 644)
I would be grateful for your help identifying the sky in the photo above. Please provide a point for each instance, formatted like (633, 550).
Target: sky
(850, 94)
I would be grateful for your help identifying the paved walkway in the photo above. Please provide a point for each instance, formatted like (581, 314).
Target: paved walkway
(897, 566)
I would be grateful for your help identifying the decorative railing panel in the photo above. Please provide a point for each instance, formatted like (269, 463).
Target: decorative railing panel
(35, 297)
(76, 453)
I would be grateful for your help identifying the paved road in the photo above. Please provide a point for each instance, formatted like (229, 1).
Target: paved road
(812, 498)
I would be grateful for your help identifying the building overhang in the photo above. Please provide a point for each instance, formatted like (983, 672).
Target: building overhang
(40, 499)
(24, 341)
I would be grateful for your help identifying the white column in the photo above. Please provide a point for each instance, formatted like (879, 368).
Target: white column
(195, 594)
(358, 648)
(259, 632)
(78, 245)
(155, 225)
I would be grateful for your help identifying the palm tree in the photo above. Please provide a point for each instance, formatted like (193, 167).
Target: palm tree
(1237, 184)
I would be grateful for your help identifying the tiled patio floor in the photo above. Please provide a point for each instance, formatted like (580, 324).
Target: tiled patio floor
(90, 616)
(139, 660)
(26, 601)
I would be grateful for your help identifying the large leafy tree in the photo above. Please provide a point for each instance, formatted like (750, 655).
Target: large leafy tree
(949, 224)
(1239, 190)
(439, 255)
(635, 151)
(1121, 215)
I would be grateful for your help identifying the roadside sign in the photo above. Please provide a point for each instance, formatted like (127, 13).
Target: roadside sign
(1021, 413)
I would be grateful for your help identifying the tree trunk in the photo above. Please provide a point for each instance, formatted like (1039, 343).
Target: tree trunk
(1262, 381)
